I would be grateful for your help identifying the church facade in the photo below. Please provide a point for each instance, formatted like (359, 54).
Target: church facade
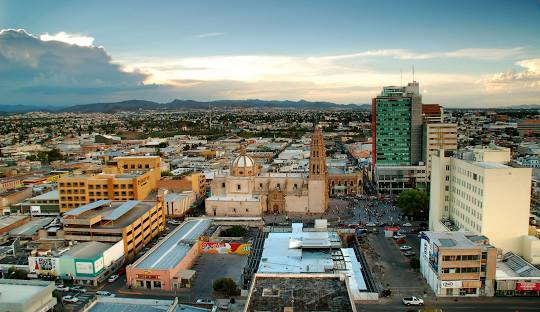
(246, 192)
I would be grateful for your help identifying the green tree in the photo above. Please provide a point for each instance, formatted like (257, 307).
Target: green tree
(226, 285)
(413, 203)
(15, 273)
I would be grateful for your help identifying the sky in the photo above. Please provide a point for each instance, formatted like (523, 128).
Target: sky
(464, 53)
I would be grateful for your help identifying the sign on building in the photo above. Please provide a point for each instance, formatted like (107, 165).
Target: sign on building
(44, 265)
(84, 267)
(451, 284)
(225, 248)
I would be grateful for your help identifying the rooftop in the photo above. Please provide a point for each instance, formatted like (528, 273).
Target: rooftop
(52, 195)
(514, 267)
(31, 227)
(299, 293)
(453, 239)
(20, 291)
(119, 214)
(130, 305)
(87, 250)
(9, 220)
(168, 253)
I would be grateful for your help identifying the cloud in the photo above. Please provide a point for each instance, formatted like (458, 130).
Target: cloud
(525, 79)
(471, 53)
(76, 39)
(31, 67)
(209, 35)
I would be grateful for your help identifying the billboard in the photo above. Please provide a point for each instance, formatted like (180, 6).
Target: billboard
(43, 265)
(98, 265)
(35, 209)
(225, 248)
(526, 286)
(84, 268)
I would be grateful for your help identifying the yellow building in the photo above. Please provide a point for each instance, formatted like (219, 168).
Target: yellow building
(134, 222)
(133, 178)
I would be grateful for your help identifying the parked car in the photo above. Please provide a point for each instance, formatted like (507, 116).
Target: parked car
(112, 278)
(405, 248)
(407, 224)
(413, 301)
(79, 289)
(104, 293)
(399, 236)
(205, 301)
(371, 224)
(62, 287)
(70, 299)
(409, 253)
(401, 241)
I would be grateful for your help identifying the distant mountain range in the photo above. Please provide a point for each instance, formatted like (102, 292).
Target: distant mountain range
(131, 105)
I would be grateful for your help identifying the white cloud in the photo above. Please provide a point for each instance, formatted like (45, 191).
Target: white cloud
(75, 39)
(527, 79)
(209, 35)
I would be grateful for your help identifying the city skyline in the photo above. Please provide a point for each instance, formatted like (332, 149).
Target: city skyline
(72, 53)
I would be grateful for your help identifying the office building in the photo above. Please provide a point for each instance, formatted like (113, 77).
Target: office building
(134, 222)
(132, 178)
(476, 191)
(397, 139)
(438, 136)
(458, 264)
(432, 113)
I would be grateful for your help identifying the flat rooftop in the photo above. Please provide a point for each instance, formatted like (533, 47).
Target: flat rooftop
(52, 195)
(302, 294)
(9, 220)
(31, 227)
(490, 165)
(87, 250)
(112, 216)
(168, 253)
(20, 291)
(130, 305)
(513, 267)
(451, 239)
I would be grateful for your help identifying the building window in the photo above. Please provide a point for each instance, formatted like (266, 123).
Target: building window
(223, 184)
(238, 187)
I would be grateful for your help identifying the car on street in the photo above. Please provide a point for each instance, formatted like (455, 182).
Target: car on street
(205, 301)
(409, 253)
(405, 248)
(371, 224)
(407, 224)
(78, 289)
(413, 301)
(174, 222)
(112, 278)
(400, 241)
(70, 299)
(104, 293)
(399, 236)
(62, 287)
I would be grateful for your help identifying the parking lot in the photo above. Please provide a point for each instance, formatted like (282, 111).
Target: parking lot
(213, 266)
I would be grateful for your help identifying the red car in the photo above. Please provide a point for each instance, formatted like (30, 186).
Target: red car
(401, 241)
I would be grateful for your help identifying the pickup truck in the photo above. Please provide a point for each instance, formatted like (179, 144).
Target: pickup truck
(413, 301)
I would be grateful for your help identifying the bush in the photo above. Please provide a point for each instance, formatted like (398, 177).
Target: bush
(234, 231)
(226, 286)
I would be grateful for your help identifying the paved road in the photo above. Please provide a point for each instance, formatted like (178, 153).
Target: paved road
(496, 304)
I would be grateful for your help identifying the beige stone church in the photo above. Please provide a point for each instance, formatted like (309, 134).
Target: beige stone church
(246, 192)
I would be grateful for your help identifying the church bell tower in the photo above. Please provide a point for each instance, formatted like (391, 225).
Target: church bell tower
(317, 185)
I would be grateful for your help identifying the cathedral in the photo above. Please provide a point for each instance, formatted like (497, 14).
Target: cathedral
(246, 192)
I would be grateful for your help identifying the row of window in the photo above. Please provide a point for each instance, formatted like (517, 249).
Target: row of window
(461, 258)
(460, 270)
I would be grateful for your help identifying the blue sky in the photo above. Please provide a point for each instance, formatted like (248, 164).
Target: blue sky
(466, 53)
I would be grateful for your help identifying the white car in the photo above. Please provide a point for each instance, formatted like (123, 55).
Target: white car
(79, 289)
(407, 224)
(413, 301)
(399, 236)
(104, 293)
(62, 287)
(70, 299)
(112, 278)
(405, 248)
(371, 224)
(205, 301)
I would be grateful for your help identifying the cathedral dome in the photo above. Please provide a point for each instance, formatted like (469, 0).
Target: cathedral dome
(243, 165)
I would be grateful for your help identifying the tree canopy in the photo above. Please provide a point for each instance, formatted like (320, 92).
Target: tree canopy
(413, 203)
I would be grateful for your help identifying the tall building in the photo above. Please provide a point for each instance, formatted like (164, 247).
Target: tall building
(438, 136)
(397, 139)
(432, 113)
(133, 178)
(476, 191)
